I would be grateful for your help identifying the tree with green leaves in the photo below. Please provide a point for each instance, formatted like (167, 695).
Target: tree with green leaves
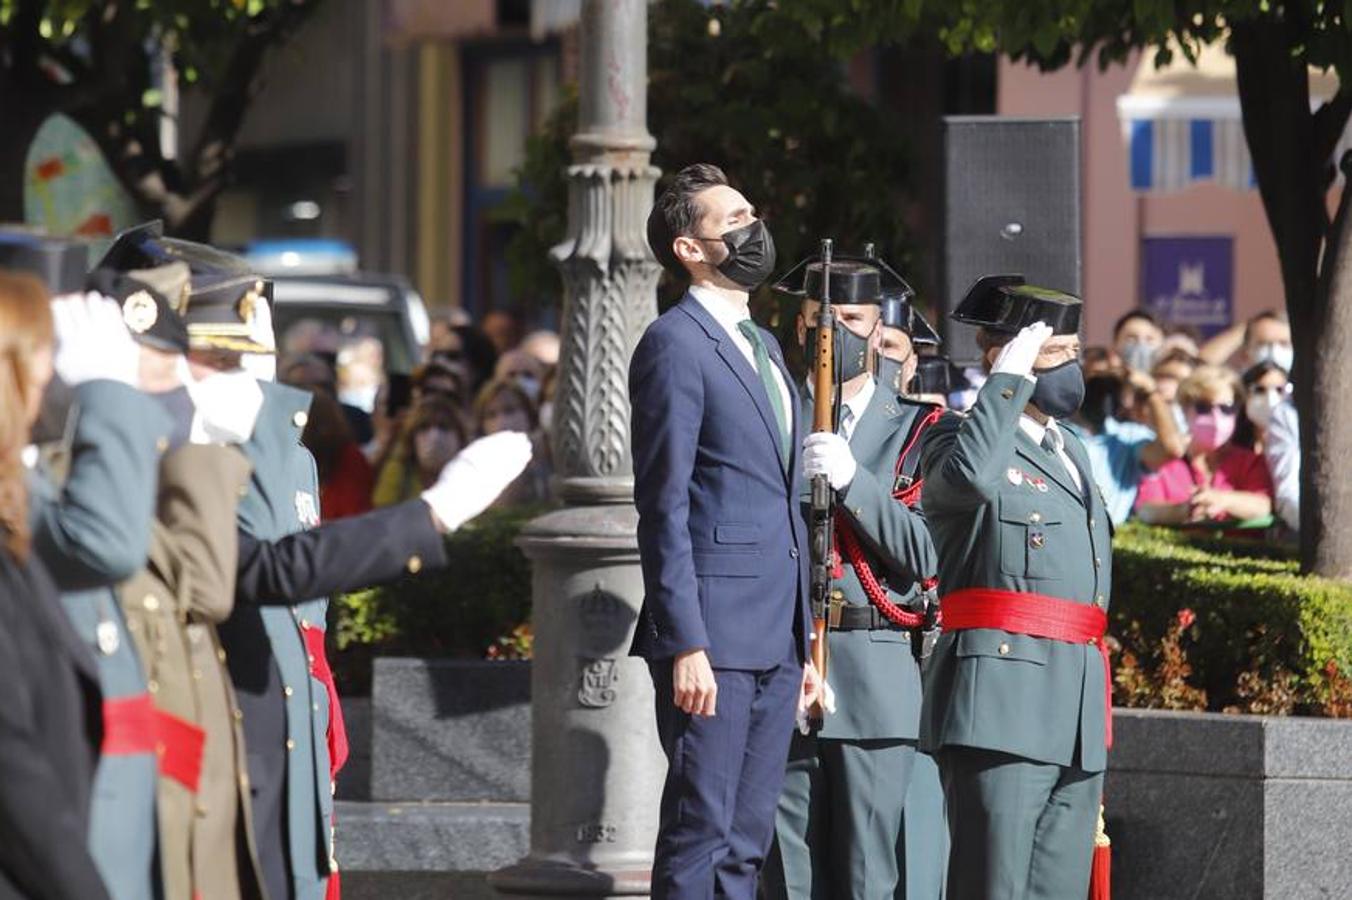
(754, 92)
(94, 60)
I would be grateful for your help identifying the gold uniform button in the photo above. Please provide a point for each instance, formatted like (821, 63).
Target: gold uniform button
(414, 564)
(220, 655)
(287, 691)
(239, 715)
(1100, 601)
(1093, 641)
(244, 490)
(201, 810)
(300, 419)
(196, 674)
(310, 658)
(1004, 649)
(290, 744)
(1097, 562)
(152, 685)
(151, 603)
(304, 623)
(1007, 393)
(162, 444)
(1035, 518)
(244, 780)
(837, 595)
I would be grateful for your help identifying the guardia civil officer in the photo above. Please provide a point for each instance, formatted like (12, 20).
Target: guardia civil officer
(839, 818)
(1016, 703)
(91, 505)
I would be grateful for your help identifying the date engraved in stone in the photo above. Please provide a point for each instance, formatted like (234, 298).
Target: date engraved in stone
(598, 683)
(596, 833)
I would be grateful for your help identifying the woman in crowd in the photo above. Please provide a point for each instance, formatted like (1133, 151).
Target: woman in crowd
(1266, 386)
(346, 479)
(1218, 479)
(504, 405)
(435, 434)
(49, 695)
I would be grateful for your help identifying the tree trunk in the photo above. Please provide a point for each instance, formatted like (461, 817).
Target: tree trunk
(1274, 95)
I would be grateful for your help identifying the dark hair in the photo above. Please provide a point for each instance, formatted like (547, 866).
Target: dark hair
(1135, 314)
(1177, 354)
(1102, 399)
(490, 393)
(675, 214)
(1265, 315)
(1258, 370)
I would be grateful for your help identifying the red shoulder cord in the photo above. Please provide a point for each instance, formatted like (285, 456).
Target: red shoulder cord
(849, 542)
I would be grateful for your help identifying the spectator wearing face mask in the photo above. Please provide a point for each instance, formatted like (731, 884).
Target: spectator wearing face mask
(1264, 338)
(1266, 385)
(503, 405)
(1122, 451)
(345, 476)
(436, 433)
(1218, 479)
(523, 370)
(1137, 337)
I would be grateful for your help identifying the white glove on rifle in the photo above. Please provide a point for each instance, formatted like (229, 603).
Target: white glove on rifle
(476, 477)
(92, 341)
(1017, 357)
(228, 404)
(827, 453)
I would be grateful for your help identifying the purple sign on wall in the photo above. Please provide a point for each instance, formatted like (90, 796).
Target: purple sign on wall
(1189, 281)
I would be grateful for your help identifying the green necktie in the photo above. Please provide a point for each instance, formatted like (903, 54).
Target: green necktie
(767, 376)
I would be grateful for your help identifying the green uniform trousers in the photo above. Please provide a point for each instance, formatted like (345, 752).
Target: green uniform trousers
(924, 834)
(1022, 830)
(839, 820)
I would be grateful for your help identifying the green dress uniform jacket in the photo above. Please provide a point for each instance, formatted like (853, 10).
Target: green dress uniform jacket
(839, 819)
(994, 527)
(171, 607)
(285, 709)
(92, 533)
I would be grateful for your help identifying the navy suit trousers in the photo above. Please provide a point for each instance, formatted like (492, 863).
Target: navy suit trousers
(723, 782)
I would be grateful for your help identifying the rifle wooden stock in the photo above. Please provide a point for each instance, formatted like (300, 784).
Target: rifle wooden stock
(823, 419)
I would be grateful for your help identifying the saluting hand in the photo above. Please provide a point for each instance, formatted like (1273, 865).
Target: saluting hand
(93, 342)
(1018, 356)
(694, 687)
(476, 477)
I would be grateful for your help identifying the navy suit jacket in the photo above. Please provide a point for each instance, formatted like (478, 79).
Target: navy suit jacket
(724, 547)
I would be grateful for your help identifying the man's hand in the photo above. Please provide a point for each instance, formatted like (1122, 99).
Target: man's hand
(813, 688)
(93, 342)
(827, 453)
(694, 689)
(1018, 356)
(476, 477)
(1139, 381)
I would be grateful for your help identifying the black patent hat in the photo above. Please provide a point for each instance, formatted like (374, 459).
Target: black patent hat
(938, 375)
(898, 312)
(221, 296)
(59, 262)
(854, 281)
(1007, 304)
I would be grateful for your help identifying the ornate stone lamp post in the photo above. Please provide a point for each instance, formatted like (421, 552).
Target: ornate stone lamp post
(597, 768)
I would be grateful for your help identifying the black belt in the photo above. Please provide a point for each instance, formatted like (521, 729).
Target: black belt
(855, 617)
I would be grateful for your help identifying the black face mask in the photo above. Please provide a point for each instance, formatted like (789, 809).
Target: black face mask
(890, 372)
(751, 255)
(851, 351)
(1060, 389)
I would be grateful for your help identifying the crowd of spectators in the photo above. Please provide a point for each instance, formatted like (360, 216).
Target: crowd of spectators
(380, 438)
(1183, 431)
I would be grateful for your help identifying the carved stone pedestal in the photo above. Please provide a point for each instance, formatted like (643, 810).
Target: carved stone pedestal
(596, 768)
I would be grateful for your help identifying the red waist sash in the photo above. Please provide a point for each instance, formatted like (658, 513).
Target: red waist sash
(179, 745)
(128, 726)
(319, 669)
(1035, 615)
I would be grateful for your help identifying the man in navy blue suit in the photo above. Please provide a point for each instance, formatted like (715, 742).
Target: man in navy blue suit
(725, 623)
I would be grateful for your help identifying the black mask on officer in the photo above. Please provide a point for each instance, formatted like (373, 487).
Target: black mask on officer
(851, 351)
(751, 255)
(1060, 389)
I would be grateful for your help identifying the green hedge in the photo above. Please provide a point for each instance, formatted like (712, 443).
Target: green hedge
(1213, 624)
(461, 611)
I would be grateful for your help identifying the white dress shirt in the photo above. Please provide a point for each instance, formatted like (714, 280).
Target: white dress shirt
(1281, 450)
(1036, 431)
(728, 314)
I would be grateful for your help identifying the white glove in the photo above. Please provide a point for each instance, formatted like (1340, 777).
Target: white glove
(476, 476)
(1017, 357)
(828, 704)
(228, 404)
(92, 341)
(827, 453)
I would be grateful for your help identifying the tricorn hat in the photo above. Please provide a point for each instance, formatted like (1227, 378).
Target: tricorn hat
(1007, 304)
(220, 299)
(938, 375)
(899, 312)
(59, 262)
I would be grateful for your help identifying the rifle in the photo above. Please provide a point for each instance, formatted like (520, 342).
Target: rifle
(825, 415)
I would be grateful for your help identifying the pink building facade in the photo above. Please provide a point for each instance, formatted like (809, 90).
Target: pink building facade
(1118, 220)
